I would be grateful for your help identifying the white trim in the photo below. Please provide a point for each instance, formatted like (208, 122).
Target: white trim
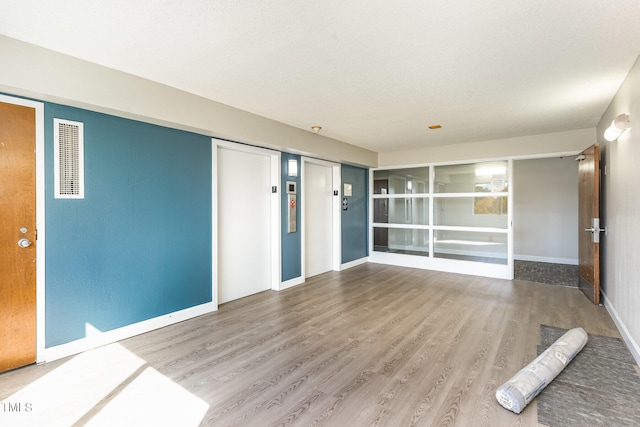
(550, 260)
(481, 160)
(546, 155)
(432, 213)
(412, 248)
(128, 331)
(445, 163)
(401, 226)
(441, 227)
(622, 328)
(237, 146)
(510, 234)
(40, 219)
(276, 223)
(214, 222)
(498, 271)
(275, 209)
(337, 216)
(370, 207)
(40, 227)
(467, 253)
(354, 263)
(469, 195)
(301, 225)
(291, 283)
(406, 196)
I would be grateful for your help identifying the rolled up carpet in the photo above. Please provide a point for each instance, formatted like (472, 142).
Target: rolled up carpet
(516, 393)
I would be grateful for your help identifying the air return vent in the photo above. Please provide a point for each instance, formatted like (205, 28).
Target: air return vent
(68, 141)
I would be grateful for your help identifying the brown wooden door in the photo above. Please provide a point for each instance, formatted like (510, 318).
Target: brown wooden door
(17, 221)
(589, 215)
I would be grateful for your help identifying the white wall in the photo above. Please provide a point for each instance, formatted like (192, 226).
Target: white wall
(620, 264)
(32, 71)
(545, 210)
(519, 147)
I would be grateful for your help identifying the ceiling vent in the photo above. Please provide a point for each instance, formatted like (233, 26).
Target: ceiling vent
(68, 167)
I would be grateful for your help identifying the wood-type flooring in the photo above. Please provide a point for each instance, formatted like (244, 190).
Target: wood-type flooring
(374, 345)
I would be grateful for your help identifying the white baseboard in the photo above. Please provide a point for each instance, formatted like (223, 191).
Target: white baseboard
(300, 280)
(626, 336)
(499, 271)
(291, 283)
(472, 253)
(114, 335)
(550, 260)
(354, 263)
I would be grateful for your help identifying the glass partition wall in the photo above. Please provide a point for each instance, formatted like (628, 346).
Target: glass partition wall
(453, 217)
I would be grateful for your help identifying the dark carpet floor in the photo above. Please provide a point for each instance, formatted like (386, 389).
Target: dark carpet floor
(600, 387)
(544, 272)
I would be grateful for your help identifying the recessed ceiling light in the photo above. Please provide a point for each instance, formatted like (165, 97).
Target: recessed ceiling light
(432, 127)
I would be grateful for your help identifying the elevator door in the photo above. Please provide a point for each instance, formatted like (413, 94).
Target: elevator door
(244, 223)
(318, 187)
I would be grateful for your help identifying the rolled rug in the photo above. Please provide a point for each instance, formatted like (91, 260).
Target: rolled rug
(516, 393)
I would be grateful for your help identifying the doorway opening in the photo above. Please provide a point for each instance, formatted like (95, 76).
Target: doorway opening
(545, 220)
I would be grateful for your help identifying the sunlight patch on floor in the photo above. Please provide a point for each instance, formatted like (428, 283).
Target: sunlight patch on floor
(105, 386)
(65, 394)
(152, 399)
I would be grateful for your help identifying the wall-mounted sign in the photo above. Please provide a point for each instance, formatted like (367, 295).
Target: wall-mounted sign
(498, 182)
(347, 190)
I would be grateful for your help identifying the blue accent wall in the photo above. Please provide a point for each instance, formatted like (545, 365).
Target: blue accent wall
(139, 244)
(355, 219)
(291, 242)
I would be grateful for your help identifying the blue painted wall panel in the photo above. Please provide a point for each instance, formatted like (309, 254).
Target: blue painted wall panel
(291, 242)
(355, 219)
(139, 244)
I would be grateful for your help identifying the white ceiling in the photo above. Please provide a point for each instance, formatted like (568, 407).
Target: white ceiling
(372, 73)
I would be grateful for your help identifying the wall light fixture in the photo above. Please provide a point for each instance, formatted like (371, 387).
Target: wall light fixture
(618, 125)
(292, 169)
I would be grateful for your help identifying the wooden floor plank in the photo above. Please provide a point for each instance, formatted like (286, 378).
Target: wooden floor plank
(373, 345)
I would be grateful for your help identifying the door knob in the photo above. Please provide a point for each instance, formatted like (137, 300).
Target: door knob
(24, 242)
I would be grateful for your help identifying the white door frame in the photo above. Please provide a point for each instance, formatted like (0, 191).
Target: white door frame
(275, 210)
(335, 210)
(40, 220)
